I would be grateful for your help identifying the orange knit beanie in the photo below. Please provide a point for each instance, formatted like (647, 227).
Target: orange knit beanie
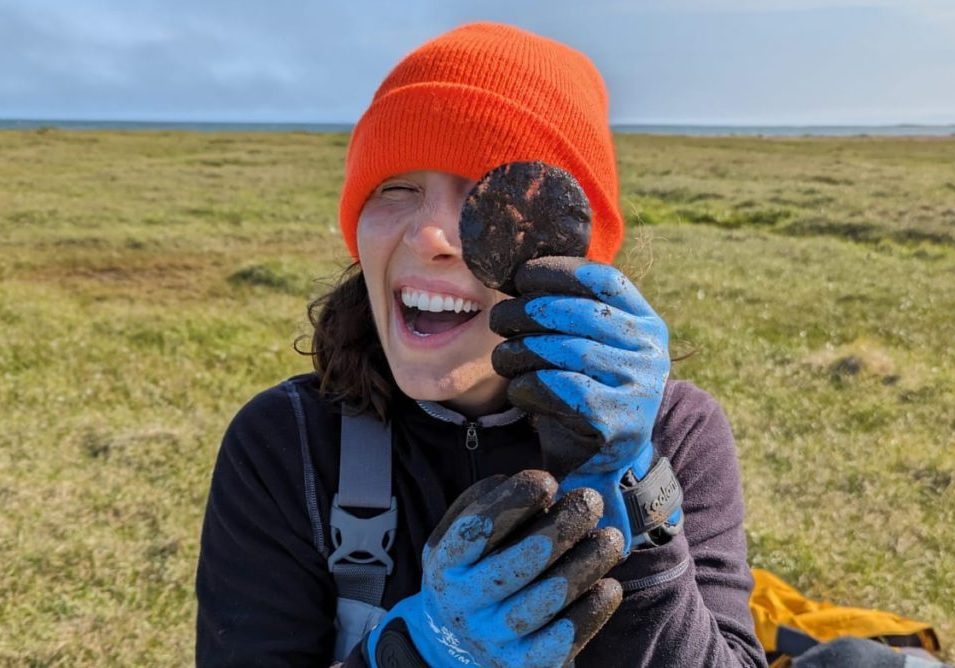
(476, 97)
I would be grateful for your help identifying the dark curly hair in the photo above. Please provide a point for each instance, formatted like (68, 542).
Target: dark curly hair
(345, 349)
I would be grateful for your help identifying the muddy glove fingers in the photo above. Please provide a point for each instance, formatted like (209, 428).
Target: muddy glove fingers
(487, 514)
(571, 631)
(524, 354)
(576, 316)
(576, 381)
(524, 556)
(560, 641)
(581, 277)
(591, 611)
(466, 498)
(570, 279)
(615, 419)
(571, 577)
(578, 277)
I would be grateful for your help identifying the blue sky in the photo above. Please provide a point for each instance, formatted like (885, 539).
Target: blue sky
(665, 61)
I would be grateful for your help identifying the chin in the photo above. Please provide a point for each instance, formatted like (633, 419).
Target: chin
(459, 387)
(440, 388)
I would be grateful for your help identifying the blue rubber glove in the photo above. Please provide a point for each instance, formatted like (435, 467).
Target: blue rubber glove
(491, 595)
(588, 357)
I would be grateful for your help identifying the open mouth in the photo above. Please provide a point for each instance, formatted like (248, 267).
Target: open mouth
(427, 313)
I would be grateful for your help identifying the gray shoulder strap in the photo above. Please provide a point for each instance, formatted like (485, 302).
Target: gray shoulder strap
(360, 563)
(362, 537)
(364, 474)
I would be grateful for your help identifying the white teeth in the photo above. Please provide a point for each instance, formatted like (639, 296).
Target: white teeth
(427, 301)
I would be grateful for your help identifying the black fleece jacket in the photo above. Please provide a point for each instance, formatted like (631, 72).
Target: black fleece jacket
(266, 597)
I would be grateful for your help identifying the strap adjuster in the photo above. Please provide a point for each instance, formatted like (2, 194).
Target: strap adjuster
(653, 499)
(362, 540)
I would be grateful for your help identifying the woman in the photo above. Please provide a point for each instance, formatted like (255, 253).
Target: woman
(407, 338)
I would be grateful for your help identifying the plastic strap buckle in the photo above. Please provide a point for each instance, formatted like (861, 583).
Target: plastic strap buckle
(653, 499)
(362, 540)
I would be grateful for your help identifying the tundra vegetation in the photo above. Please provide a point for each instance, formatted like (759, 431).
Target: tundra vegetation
(151, 282)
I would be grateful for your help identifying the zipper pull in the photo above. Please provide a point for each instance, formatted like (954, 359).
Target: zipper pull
(471, 442)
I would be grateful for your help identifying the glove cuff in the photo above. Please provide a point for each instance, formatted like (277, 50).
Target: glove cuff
(654, 504)
(394, 648)
(648, 511)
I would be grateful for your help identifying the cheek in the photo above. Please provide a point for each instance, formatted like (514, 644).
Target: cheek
(376, 239)
(373, 257)
(378, 235)
(367, 245)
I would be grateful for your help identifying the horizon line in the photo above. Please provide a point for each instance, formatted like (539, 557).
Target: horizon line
(351, 124)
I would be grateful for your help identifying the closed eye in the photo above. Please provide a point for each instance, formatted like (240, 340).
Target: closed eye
(396, 182)
(396, 192)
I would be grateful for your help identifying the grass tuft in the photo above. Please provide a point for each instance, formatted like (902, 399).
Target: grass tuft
(281, 276)
(860, 358)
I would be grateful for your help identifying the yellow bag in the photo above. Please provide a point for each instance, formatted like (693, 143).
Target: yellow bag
(788, 623)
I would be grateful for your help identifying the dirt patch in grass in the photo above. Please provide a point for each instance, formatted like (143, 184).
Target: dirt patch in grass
(758, 217)
(913, 235)
(180, 277)
(859, 359)
(744, 216)
(829, 180)
(806, 227)
(275, 275)
(679, 195)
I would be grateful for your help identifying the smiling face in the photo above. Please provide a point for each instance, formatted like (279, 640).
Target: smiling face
(430, 311)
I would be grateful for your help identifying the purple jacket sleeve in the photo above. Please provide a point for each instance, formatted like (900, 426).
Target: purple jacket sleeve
(687, 603)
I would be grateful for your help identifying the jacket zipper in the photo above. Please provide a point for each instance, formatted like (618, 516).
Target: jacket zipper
(471, 443)
(471, 438)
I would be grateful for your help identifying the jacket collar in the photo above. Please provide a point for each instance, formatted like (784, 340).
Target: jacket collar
(445, 414)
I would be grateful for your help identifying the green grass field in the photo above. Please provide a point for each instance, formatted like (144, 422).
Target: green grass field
(150, 283)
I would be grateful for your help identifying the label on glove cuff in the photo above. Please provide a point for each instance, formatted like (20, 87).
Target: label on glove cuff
(652, 500)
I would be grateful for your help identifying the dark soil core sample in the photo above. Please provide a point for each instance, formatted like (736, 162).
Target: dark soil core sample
(520, 211)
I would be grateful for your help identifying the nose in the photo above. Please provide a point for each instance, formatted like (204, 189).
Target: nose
(435, 236)
(433, 240)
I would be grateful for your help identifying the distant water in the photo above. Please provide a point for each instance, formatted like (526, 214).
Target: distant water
(791, 130)
(693, 130)
(31, 123)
